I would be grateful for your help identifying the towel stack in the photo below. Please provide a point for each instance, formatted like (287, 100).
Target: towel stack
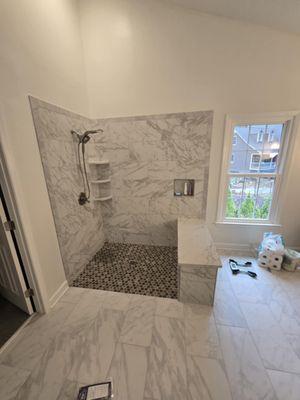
(271, 252)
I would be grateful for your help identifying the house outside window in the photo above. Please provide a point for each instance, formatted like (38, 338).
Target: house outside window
(253, 169)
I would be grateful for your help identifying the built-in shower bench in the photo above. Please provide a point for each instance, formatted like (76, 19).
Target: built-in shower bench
(198, 262)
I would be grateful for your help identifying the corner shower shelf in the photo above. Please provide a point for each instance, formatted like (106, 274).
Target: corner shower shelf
(101, 181)
(99, 162)
(103, 198)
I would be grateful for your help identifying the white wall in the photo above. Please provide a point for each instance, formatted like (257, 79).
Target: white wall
(145, 57)
(40, 54)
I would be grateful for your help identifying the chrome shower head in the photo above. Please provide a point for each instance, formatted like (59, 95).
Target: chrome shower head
(85, 137)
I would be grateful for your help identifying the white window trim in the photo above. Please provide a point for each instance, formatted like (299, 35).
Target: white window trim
(292, 121)
(260, 137)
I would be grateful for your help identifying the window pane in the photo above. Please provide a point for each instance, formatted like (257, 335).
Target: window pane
(256, 148)
(249, 198)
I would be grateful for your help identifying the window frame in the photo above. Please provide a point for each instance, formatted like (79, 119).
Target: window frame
(286, 118)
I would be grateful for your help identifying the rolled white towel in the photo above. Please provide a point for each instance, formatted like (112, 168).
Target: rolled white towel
(276, 258)
(263, 263)
(275, 265)
(264, 256)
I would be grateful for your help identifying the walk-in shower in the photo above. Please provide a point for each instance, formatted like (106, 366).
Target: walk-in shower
(83, 138)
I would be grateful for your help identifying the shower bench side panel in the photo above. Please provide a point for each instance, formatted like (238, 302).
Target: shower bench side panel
(198, 262)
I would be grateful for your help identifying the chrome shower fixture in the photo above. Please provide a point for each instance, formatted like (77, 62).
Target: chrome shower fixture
(83, 138)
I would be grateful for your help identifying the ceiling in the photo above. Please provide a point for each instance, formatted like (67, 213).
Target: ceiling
(278, 14)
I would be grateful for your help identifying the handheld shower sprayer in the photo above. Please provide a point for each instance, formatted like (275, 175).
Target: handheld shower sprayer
(83, 138)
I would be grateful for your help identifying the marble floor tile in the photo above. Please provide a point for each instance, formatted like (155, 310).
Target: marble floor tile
(226, 306)
(128, 371)
(32, 341)
(170, 308)
(284, 311)
(274, 348)
(95, 346)
(83, 314)
(138, 324)
(287, 386)
(11, 380)
(247, 375)
(73, 295)
(46, 379)
(116, 301)
(201, 337)
(69, 390)
(166, 376)
(294, 341)
(207, 380)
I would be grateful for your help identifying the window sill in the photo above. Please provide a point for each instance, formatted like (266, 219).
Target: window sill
(244, 223)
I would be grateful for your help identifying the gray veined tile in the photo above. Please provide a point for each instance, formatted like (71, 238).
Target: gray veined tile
(170, 308)
(166, 376)
(128, 371)
(83, 314)
(11, 380)
(73, 295)
(226, 307)
(69, 390)
(207, 379)
(138, 324)
(95, 346)
(32, 341)
(201, 337)
(246, 373)
(274, 348)
(46, 379)
(287, 386)
(284, 311)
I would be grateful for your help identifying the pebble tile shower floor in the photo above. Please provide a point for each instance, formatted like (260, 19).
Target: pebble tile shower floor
(132, 268)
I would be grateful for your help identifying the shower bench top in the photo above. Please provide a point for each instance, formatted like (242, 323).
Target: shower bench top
(195, 244)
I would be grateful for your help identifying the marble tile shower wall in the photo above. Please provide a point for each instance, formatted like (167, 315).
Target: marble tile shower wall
(79, 229)
(146, 154)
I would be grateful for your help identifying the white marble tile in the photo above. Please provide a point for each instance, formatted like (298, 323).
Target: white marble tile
(32, 341)
(199, 291)
(95, 347)
(170, 308)
(138, 324)
(226, 309)
(166, 376)
(69, 390)
(116, 301)
(128, 371)
(207, 379)
(275, 350)
(247, 376)
(11, 380)
(46, 380)
(287, 386)
(201, 337)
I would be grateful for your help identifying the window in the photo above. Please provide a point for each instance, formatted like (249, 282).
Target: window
(253, 168)
(255, 161)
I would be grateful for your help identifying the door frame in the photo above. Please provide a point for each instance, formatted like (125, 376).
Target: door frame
(11, 204)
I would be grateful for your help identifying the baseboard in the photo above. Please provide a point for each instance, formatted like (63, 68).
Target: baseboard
(59, 293)
(247, 249)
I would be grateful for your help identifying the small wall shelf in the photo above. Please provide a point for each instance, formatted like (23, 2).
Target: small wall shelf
(98, 162)
(100, 179)
(103, 198)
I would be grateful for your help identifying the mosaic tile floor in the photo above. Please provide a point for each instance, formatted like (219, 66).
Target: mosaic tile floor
(132, 268)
